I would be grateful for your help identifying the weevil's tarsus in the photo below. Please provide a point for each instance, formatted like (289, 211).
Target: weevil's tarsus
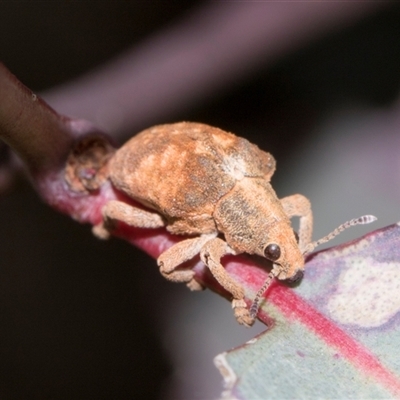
(365, 219)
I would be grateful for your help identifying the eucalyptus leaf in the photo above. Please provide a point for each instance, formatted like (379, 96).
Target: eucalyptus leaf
(335, 335)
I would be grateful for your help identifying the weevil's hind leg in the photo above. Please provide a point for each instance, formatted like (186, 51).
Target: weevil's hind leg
(116, 210)
(299, 206)
(178, 254)
(211, 254)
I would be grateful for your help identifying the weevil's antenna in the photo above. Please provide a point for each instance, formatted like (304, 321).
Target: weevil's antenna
(365, 219)
(256, 302)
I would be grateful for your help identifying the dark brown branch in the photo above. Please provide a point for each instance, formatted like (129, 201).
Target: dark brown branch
(30, 127)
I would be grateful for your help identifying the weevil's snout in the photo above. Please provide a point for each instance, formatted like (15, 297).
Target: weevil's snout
(292, 267)
(291, 272)
(297, 277)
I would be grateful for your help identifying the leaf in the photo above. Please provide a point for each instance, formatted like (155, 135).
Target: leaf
(336, 335)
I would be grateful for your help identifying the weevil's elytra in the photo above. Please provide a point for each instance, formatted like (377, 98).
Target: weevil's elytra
(200, 181)
(183, 170)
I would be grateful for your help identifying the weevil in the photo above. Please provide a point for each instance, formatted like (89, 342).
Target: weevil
(214, 187)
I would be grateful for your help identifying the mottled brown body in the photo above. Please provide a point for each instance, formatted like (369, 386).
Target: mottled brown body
(203, 182)
(183, 170)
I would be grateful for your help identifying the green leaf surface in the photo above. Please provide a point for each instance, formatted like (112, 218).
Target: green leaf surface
(336, 335)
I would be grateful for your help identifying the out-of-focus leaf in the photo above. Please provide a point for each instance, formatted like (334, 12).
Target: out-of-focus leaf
(336, 335)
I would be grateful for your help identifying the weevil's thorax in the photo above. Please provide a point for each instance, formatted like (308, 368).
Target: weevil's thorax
(251, 216)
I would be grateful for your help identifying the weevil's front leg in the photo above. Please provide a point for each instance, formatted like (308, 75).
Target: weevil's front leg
(299, 206)
(116, 210)
(211, 254)
(178, 254)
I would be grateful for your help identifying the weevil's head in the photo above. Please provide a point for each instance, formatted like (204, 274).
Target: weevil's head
(253, 221)
(282, 249)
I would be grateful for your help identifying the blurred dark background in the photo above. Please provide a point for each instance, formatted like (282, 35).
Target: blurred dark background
(81, 318)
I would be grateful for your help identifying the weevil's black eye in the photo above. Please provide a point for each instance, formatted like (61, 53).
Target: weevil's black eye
(296, 235)
(272, 252)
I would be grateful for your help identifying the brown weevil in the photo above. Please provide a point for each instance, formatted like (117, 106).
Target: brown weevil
(208, 184)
